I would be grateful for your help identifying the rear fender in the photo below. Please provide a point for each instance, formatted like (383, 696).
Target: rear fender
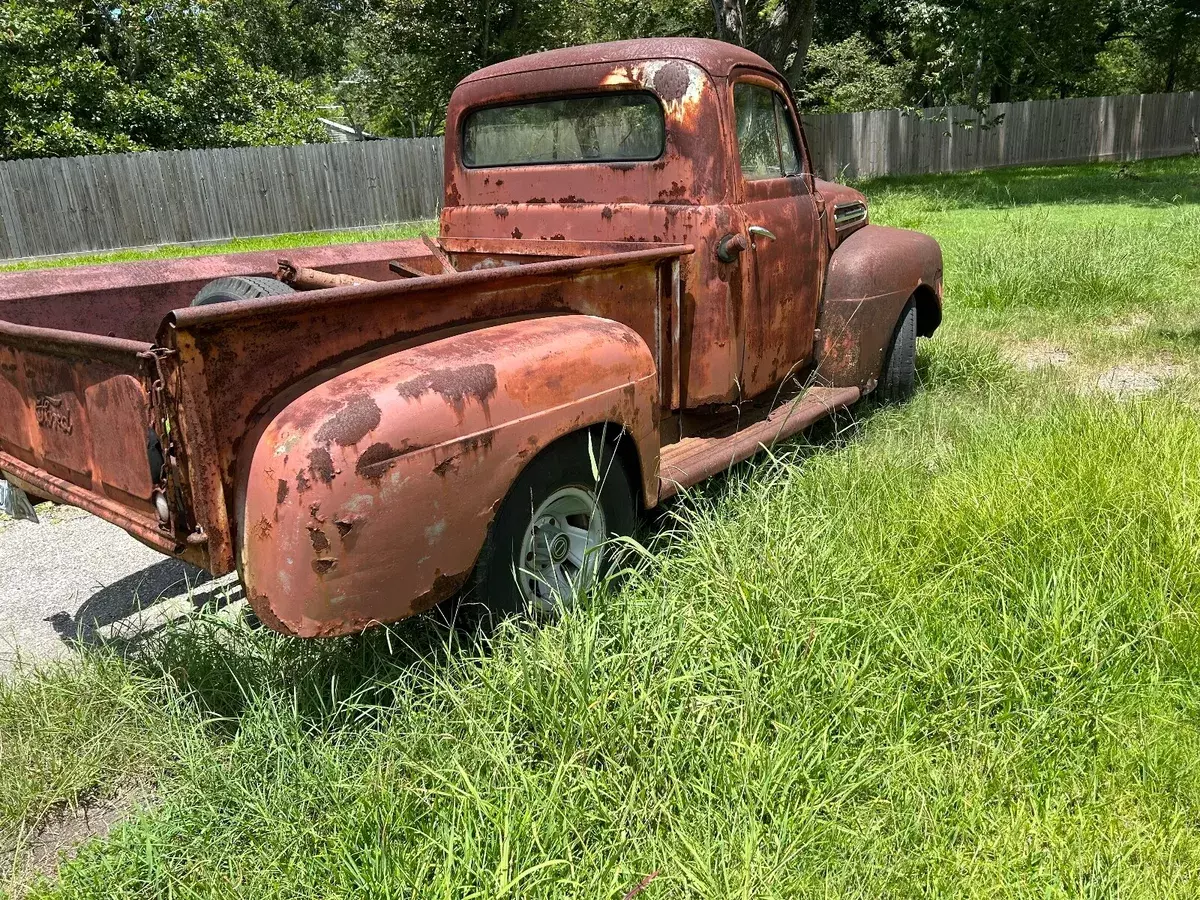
(871, 276)
(368, 498)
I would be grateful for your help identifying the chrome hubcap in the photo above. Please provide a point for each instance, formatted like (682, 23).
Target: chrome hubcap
(560, 553)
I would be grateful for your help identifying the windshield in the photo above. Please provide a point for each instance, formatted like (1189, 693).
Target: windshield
(620, 127)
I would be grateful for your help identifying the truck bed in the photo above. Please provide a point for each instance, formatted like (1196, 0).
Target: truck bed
(97, 364)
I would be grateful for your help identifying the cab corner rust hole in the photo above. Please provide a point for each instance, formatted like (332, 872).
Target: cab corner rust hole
(671, 81)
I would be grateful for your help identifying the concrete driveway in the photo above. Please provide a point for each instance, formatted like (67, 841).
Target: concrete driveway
(72, 577)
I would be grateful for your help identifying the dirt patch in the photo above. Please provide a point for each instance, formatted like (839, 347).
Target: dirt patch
(66, 830)
(1132, 381)
(1130, 325)
(1040, 356)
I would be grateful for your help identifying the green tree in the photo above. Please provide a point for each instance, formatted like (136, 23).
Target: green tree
(854, 74)
(93, 76)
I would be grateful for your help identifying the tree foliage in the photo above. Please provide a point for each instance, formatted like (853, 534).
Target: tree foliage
(91, 76)
(855, 74)
(409, 54)
(85, 76)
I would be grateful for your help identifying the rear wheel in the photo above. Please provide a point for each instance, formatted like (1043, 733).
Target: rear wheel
(240, 287)
(899, 377)
(549, 542)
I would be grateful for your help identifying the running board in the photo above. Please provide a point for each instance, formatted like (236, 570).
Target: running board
(693, 459)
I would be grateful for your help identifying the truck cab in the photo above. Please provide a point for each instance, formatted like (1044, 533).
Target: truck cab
(678, 141)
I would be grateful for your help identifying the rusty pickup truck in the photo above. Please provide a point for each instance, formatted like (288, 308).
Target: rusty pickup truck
(637, 281)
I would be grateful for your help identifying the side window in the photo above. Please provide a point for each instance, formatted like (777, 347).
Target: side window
(767, 146)
(787, 138)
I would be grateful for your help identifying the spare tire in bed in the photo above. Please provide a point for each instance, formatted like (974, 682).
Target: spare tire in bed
(240, 287)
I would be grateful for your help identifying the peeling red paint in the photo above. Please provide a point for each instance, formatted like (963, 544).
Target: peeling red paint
(320, 543)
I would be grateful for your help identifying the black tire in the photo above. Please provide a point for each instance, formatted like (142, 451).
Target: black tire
(240, 287)
(494, 592)
(899, 378)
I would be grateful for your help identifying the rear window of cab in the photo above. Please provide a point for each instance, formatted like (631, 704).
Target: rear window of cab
(626, 126)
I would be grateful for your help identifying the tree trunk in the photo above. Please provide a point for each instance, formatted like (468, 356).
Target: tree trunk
(786, 37)
(730, 19)
(975, 104)
(487, 31)
(808, 14)
(1177, 29)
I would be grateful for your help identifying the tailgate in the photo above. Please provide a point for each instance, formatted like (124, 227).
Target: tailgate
(74, 420)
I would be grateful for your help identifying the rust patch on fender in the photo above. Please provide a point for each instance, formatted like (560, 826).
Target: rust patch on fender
(443, 587)
(320, 463)
(450, 462)
(322, 566)
(317, 536)
(375, 461)
(346, 531)
(476, 381)
(281, 492)
(352, 422)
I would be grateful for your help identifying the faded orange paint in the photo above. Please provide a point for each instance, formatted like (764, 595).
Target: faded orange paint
(394, 467)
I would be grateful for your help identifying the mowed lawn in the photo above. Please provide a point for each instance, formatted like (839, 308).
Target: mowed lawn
(949, 649)
(234, 245)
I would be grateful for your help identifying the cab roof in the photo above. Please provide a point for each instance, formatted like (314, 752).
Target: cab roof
(715, 57)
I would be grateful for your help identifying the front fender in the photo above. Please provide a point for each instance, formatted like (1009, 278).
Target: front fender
(871, 276)
(369, 497)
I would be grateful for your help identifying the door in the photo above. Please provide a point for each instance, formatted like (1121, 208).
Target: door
(781, 270)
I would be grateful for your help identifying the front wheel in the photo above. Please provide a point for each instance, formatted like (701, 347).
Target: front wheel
(898, 380)
(550, 541)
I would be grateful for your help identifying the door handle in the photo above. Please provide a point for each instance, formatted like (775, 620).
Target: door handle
(759, 231)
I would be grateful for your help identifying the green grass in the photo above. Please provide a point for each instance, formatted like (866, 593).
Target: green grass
(1056, 253)
(948, 649)
(237, 245)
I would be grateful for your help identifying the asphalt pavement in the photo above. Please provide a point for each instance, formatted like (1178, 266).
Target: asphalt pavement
(72, 578)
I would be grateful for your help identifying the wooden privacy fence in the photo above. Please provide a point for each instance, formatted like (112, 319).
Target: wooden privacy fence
(50, 206)
(137, 199)
(951, 139)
